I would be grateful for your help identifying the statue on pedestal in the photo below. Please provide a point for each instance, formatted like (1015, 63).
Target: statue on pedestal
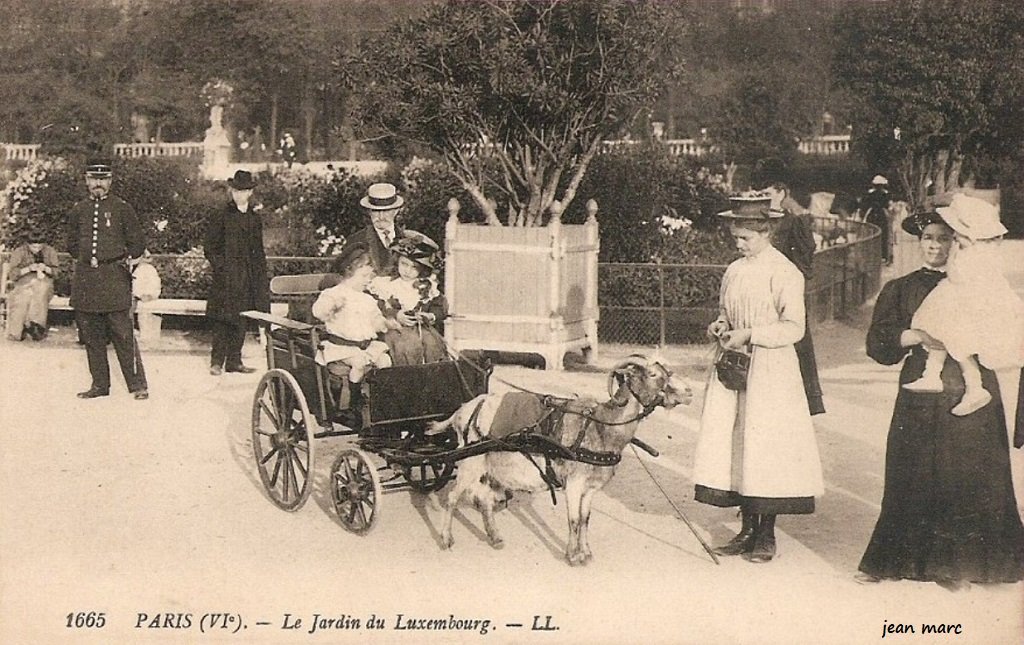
(216, 144)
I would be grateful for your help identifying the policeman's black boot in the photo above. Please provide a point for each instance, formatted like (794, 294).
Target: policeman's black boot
(764, 541)
(744, 540)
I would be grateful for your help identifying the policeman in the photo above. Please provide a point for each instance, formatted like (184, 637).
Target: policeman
(105, 239)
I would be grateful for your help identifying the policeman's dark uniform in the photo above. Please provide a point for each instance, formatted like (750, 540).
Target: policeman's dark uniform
(102, 236)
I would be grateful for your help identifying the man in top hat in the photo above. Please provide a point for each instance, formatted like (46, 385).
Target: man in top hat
(793, 236)
(874, 208)
(234, 247)
(383, 204)
(105, 239)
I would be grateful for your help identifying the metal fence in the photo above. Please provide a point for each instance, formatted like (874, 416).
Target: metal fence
(668, 304)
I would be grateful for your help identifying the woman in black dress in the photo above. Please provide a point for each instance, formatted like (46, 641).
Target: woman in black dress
(949, 514)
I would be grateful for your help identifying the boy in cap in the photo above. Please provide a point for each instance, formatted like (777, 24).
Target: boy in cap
(105, 239)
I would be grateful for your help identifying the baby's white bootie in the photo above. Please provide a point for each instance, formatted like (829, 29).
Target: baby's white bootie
(972, 402)
(926, 383)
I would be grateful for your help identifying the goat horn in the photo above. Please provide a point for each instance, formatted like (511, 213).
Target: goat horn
(632, 359)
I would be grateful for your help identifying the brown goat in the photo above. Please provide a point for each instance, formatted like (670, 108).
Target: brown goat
(607, 428)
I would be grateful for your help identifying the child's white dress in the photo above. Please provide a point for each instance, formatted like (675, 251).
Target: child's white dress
(355, 318)
(975, 310)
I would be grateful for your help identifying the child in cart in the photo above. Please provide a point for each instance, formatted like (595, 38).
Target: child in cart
(411, 297)
(354, 326)
(974, 312)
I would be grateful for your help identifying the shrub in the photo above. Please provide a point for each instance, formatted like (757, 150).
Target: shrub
(648, 202)
(40, 194)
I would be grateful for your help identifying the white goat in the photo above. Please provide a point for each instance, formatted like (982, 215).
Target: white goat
(597, 431)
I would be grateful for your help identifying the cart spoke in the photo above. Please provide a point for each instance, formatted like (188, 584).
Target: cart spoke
(292, 479)
(348, 470)
(362, 515)
(266, 458)
(277, 471)
(298, 462)
(270, 414)
(285, 480)
(295, 477)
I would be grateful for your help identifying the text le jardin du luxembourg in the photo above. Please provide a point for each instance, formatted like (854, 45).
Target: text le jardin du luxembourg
(319, 623)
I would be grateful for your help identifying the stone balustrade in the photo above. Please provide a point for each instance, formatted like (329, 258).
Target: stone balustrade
(837, 144)
(182, 149)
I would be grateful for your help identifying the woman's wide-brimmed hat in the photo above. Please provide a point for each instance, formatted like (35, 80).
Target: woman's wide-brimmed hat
(916, 223)
(417, 247)
(879, 180)
(243, 180)
(972, 217)
(381, 197)
(753, 205)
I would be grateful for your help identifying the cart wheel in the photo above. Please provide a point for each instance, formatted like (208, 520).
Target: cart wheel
(356, 491)
(282, 439)
(429, 477)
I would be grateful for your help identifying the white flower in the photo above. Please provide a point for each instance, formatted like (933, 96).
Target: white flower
(160, 225)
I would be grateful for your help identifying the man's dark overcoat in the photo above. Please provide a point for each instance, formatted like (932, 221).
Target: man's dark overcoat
(794, 236)
(382, 257)
(234, 248)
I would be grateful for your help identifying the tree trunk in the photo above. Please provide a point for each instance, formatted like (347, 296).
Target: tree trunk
(310, 118)
(273, 121)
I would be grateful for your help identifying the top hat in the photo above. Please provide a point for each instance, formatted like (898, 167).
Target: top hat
(417, 247)
(751, 205)
(243, 180)
(381, 197)
(99, 168)
(972, 217)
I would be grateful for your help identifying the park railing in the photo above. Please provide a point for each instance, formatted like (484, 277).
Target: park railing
(665, 304)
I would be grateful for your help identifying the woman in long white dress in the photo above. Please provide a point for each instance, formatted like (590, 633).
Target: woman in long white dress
(756, 448)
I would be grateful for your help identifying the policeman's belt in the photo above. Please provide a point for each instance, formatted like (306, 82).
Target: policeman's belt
(110, 260)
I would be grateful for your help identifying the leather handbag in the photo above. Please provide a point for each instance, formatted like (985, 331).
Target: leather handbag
(732, 368)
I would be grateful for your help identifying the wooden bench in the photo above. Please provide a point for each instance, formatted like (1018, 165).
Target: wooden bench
(149, 313)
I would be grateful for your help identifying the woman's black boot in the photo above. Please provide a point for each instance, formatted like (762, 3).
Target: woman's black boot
(744, 540)
(764, 541)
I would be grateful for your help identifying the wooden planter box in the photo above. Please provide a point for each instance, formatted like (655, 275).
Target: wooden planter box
(522, 289)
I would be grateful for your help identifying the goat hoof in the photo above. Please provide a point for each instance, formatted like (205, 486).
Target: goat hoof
(447, 542)
(576, 559)
(497, 543)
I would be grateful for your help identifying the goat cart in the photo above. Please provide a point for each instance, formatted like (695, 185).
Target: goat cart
(299, 400)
